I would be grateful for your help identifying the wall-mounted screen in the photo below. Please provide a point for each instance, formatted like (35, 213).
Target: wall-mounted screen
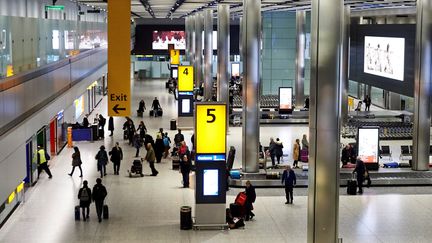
(235, 69)
(384, 56)
(285, 98)
(368, 144)
(211, 182)
(79, 107)
(161, 39)
(175, 73)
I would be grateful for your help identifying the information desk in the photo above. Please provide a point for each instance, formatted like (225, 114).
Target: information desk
(82, 134)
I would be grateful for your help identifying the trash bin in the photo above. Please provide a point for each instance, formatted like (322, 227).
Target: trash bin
(173, 124)
(185, 218)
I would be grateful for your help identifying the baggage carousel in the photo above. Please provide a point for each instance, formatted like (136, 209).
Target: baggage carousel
(382, 177)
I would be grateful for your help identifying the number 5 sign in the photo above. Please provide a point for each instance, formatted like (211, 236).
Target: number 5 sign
(210, 128)
(185, 78)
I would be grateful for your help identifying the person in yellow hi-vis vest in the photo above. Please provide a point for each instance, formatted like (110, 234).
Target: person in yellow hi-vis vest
(42, 159)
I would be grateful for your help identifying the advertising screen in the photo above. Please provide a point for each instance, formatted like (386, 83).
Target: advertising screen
(384, 56)
(186, 106)
(161, 39)
(79, 107)
(285, 98)
(235, 69)
(368, 144)
(175, 73)
(211, 182)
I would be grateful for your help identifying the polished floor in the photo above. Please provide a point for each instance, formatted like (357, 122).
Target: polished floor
(147, 209)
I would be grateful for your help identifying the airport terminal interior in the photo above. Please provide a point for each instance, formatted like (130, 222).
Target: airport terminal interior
(242, 80)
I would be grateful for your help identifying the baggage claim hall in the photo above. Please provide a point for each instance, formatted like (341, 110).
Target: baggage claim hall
(215, 121)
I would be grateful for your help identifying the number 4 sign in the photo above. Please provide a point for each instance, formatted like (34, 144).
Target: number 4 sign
(185, 78)
(210, 125)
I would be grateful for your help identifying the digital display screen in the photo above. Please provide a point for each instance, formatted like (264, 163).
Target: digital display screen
(175, 73)
(285, 98)
(186, 106)
(368, 144)
(161, 39)
(211, 182)
(235, 69)
(385, 57)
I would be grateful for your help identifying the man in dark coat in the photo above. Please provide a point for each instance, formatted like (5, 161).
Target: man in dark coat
(250, 199)
(290, 180)
(367, 100)
(98, 196)
(178, 138)
(111, 125)
(116, 157)
(101, 126)
(360, 170)
(185, 168)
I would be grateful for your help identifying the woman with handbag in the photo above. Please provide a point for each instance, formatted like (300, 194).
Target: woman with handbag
(76, 161)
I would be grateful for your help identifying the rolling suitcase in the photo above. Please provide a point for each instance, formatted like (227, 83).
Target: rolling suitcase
(125, 135)
(159, 112)
(352, 186)
(304, 155)
(151, 112)
(105, 212)
(139, 113)
(77, 213)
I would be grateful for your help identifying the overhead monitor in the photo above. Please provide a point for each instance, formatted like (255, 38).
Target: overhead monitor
(285, 99)
(384, 56)
(368, 144)
(161, 39)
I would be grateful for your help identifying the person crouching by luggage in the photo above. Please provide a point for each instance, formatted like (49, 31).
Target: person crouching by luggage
(185, 168)
(360, 170)
(116, 157)
(250, 199)
(84, 195)
(98, 196)
(290, 180)
(151, 157)
(102, 160)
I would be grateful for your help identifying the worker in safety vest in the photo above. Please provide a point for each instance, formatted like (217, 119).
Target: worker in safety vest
(43, 158)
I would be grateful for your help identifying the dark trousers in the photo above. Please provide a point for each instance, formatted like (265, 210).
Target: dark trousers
(116, 167)
(84, 214)
(278, 157)
(367, 108)
(185, 175)
(289, 193)
(137, 152)
(99, 207)
(248, 207)
(102, 170)
(272, 156)
(111, 132)
(158, 157)
(73, 169)
(295, 163)
(153, 169)
(44, 166)
(360, 180)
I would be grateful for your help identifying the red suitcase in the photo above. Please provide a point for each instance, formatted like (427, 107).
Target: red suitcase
(241, 199)
(304, 155)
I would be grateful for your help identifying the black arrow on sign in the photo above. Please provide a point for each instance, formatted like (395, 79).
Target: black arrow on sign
(116, 109)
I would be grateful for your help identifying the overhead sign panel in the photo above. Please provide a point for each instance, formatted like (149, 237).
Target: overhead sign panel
(185, 78)
(119, 98)
(175, 57)
(210, 128)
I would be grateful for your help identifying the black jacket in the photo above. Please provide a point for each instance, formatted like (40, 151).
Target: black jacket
(360, 169)
(250, 193)
(178, 138)
(99, 192)
(85, 203)
(111, 124)
(116, 154)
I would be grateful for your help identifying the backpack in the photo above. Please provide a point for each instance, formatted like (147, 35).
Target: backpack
(84, 196)
(166, 142)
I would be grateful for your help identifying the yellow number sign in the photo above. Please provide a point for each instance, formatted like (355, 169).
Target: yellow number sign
(185, 78)
(210, 128)
(175, 57)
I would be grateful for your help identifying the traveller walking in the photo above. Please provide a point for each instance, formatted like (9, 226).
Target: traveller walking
(111, 125)
(102, 160)
(98, 196)
(167, 143)
(296, 153)
(178, 138)
(278, 150)
(360, 171)
(155, 106)
(42, 159)
(367, 100)
(159, 148)
(272, 151)
(289, 180)
(142, 130)
(250, 199)
(84, 196)
(150, 157)
(76, 161)
(137, 144)
(141, 106)
(116, 157)
(185, 168)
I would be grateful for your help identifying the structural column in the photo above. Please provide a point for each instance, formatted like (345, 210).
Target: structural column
(223, 52)
(300, 62)
(324, 121)
(208, 54)
(251, 30)
(198, 49)
(422, 83)
(192, 40)
(345, 61)
(188, 37)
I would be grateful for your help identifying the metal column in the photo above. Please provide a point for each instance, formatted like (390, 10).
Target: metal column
(345, 62)
(223, 52)
(422, 89)
(324, 121)
(198, 49)
(192, 40)
(251, 30)
(188, 37)
(300, 62)
(208, 54)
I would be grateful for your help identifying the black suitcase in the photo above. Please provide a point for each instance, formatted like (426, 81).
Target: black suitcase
(77, 213)
(105, 212)
(139, 113)
(125, 135)
(352, 187)
(151, 112)
(236, 210)
(159, 112)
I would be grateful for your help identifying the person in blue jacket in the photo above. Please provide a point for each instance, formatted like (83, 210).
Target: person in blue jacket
(290, 180)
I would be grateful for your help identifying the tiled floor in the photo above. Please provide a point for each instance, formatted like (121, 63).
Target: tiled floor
(147, 209)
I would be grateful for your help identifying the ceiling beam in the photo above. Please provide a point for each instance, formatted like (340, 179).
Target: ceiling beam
(147, 7)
